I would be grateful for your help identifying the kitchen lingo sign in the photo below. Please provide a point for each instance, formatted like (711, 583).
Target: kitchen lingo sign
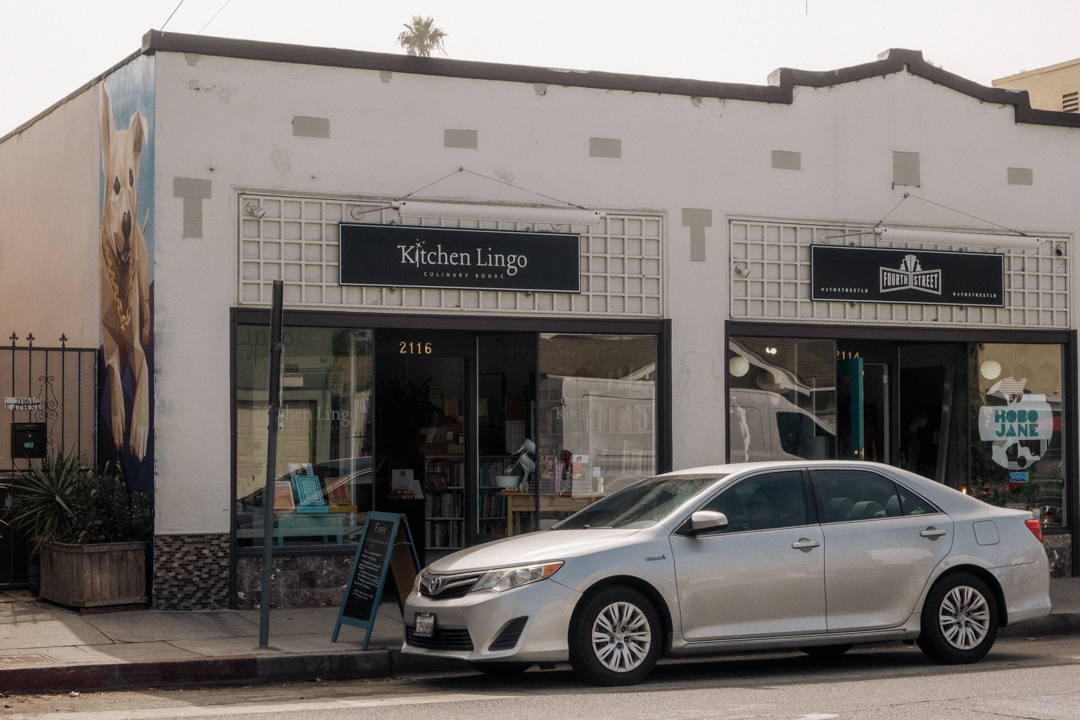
(409, 256)
(913, 277)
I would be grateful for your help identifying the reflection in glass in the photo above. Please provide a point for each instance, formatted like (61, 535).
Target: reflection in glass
(1016, 428)
(783, 405)
(323, 472)
(597, 416)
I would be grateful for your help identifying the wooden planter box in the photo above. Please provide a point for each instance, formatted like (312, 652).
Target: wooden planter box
(94, 575)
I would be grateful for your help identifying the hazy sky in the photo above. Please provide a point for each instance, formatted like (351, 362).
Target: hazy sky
(48, 48)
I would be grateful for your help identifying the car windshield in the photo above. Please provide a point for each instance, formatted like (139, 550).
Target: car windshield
(641, 505)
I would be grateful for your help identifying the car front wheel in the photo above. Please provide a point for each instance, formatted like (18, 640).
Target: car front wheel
(616, 639)
(959, 620)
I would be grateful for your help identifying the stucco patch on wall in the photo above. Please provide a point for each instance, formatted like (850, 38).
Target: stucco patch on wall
(313, 127)
(786, 160)
(697, 219)
(193, 191)
(464, 139)
(906, 169)
(1020, 176)
(605, 147)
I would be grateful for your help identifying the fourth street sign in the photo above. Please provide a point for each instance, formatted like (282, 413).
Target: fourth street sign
(910, 277)
(411, 256)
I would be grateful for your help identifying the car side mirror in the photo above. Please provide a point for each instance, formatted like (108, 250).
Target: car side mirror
(705, 520)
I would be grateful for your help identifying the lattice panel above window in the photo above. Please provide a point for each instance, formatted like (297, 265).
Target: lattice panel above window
(296, 240)
(775, 258)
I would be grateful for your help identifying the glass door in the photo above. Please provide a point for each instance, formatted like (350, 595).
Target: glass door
(424, 396)
(506, 471)
(932, 403)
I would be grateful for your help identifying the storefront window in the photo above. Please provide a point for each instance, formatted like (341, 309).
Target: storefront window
(323, 481)
(1016, 428)
(596, 412)
(783, 399)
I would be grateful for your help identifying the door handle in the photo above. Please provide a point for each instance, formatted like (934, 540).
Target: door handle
(805, 543)
(932, 533)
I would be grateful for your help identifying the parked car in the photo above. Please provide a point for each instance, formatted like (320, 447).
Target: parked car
(737, 558)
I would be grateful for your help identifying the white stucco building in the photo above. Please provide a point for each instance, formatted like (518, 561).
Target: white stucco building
(701, 331)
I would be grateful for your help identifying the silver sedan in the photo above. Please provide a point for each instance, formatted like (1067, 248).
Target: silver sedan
(817, 556)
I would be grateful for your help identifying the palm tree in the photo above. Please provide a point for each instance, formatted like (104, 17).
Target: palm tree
(420, 38)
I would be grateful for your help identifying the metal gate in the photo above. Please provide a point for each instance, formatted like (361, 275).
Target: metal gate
(56, 386)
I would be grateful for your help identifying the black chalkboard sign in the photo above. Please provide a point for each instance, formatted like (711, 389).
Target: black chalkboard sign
(385, 542)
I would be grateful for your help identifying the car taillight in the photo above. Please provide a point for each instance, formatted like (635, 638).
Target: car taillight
(1035, 528)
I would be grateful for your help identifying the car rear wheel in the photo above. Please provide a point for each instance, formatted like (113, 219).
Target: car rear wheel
(616, 639)
(501, 669)
(959, 620)
(826, 651)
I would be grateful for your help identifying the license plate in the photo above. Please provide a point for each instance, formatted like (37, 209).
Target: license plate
(425, 625)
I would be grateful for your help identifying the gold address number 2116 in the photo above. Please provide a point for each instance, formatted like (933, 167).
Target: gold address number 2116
(417, 348)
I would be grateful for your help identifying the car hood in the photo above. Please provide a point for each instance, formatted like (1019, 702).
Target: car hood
(530, 548)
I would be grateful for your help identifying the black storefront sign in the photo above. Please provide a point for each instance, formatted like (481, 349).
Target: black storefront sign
(427, 257)
(909, 277)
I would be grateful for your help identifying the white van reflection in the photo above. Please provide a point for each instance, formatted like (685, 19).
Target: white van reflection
(766, 426)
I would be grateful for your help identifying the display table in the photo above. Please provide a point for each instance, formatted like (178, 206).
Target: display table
(517, 503)
(333, 528)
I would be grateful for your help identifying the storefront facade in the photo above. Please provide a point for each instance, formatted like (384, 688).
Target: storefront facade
(674, 321)
(982, 406)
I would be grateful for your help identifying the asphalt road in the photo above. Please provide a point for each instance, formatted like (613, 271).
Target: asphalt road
(1021, 678)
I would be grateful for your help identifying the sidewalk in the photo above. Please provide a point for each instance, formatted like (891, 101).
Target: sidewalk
(46, 648)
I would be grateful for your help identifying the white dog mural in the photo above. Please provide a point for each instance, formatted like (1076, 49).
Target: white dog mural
(125, 292)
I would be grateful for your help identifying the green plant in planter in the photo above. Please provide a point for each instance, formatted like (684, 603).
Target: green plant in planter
(108, 512)
(65, 501)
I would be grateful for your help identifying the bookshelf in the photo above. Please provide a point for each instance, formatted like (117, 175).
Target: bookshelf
(491, 508)
(444, 501)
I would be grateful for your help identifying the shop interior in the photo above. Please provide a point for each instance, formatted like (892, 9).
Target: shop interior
(473, 436)
(983, 418)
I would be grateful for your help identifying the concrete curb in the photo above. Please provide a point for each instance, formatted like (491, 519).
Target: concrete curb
(244, 668)
(1061, 624)
(35, 679)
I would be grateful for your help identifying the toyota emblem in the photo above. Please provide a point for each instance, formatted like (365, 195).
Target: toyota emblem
(434, 584)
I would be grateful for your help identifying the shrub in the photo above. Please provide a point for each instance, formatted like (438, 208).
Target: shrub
(65, 501)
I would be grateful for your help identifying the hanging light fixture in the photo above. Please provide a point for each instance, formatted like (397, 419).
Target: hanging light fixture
(503, 213)
(962, 239)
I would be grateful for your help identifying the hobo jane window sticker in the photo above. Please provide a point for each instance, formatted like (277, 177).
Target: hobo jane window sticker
(1021, 429)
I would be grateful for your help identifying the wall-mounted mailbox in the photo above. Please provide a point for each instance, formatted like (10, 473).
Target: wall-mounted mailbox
(28, 440)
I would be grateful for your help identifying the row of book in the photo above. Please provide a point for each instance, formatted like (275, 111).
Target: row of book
(490, 468)
(442, 474)
(444, 505)
(444, 534)
(492, 527)
(492, 505)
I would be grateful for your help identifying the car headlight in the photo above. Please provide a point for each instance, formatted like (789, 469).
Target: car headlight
(509, 578)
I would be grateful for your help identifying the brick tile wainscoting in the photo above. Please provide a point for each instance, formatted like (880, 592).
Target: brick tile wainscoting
(191, 572)
(309, 581)
(1059, 550)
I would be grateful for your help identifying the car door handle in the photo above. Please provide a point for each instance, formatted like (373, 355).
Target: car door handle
(805, 543)
(932, 532)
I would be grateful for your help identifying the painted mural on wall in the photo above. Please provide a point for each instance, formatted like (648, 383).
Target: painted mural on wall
(126, 277)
